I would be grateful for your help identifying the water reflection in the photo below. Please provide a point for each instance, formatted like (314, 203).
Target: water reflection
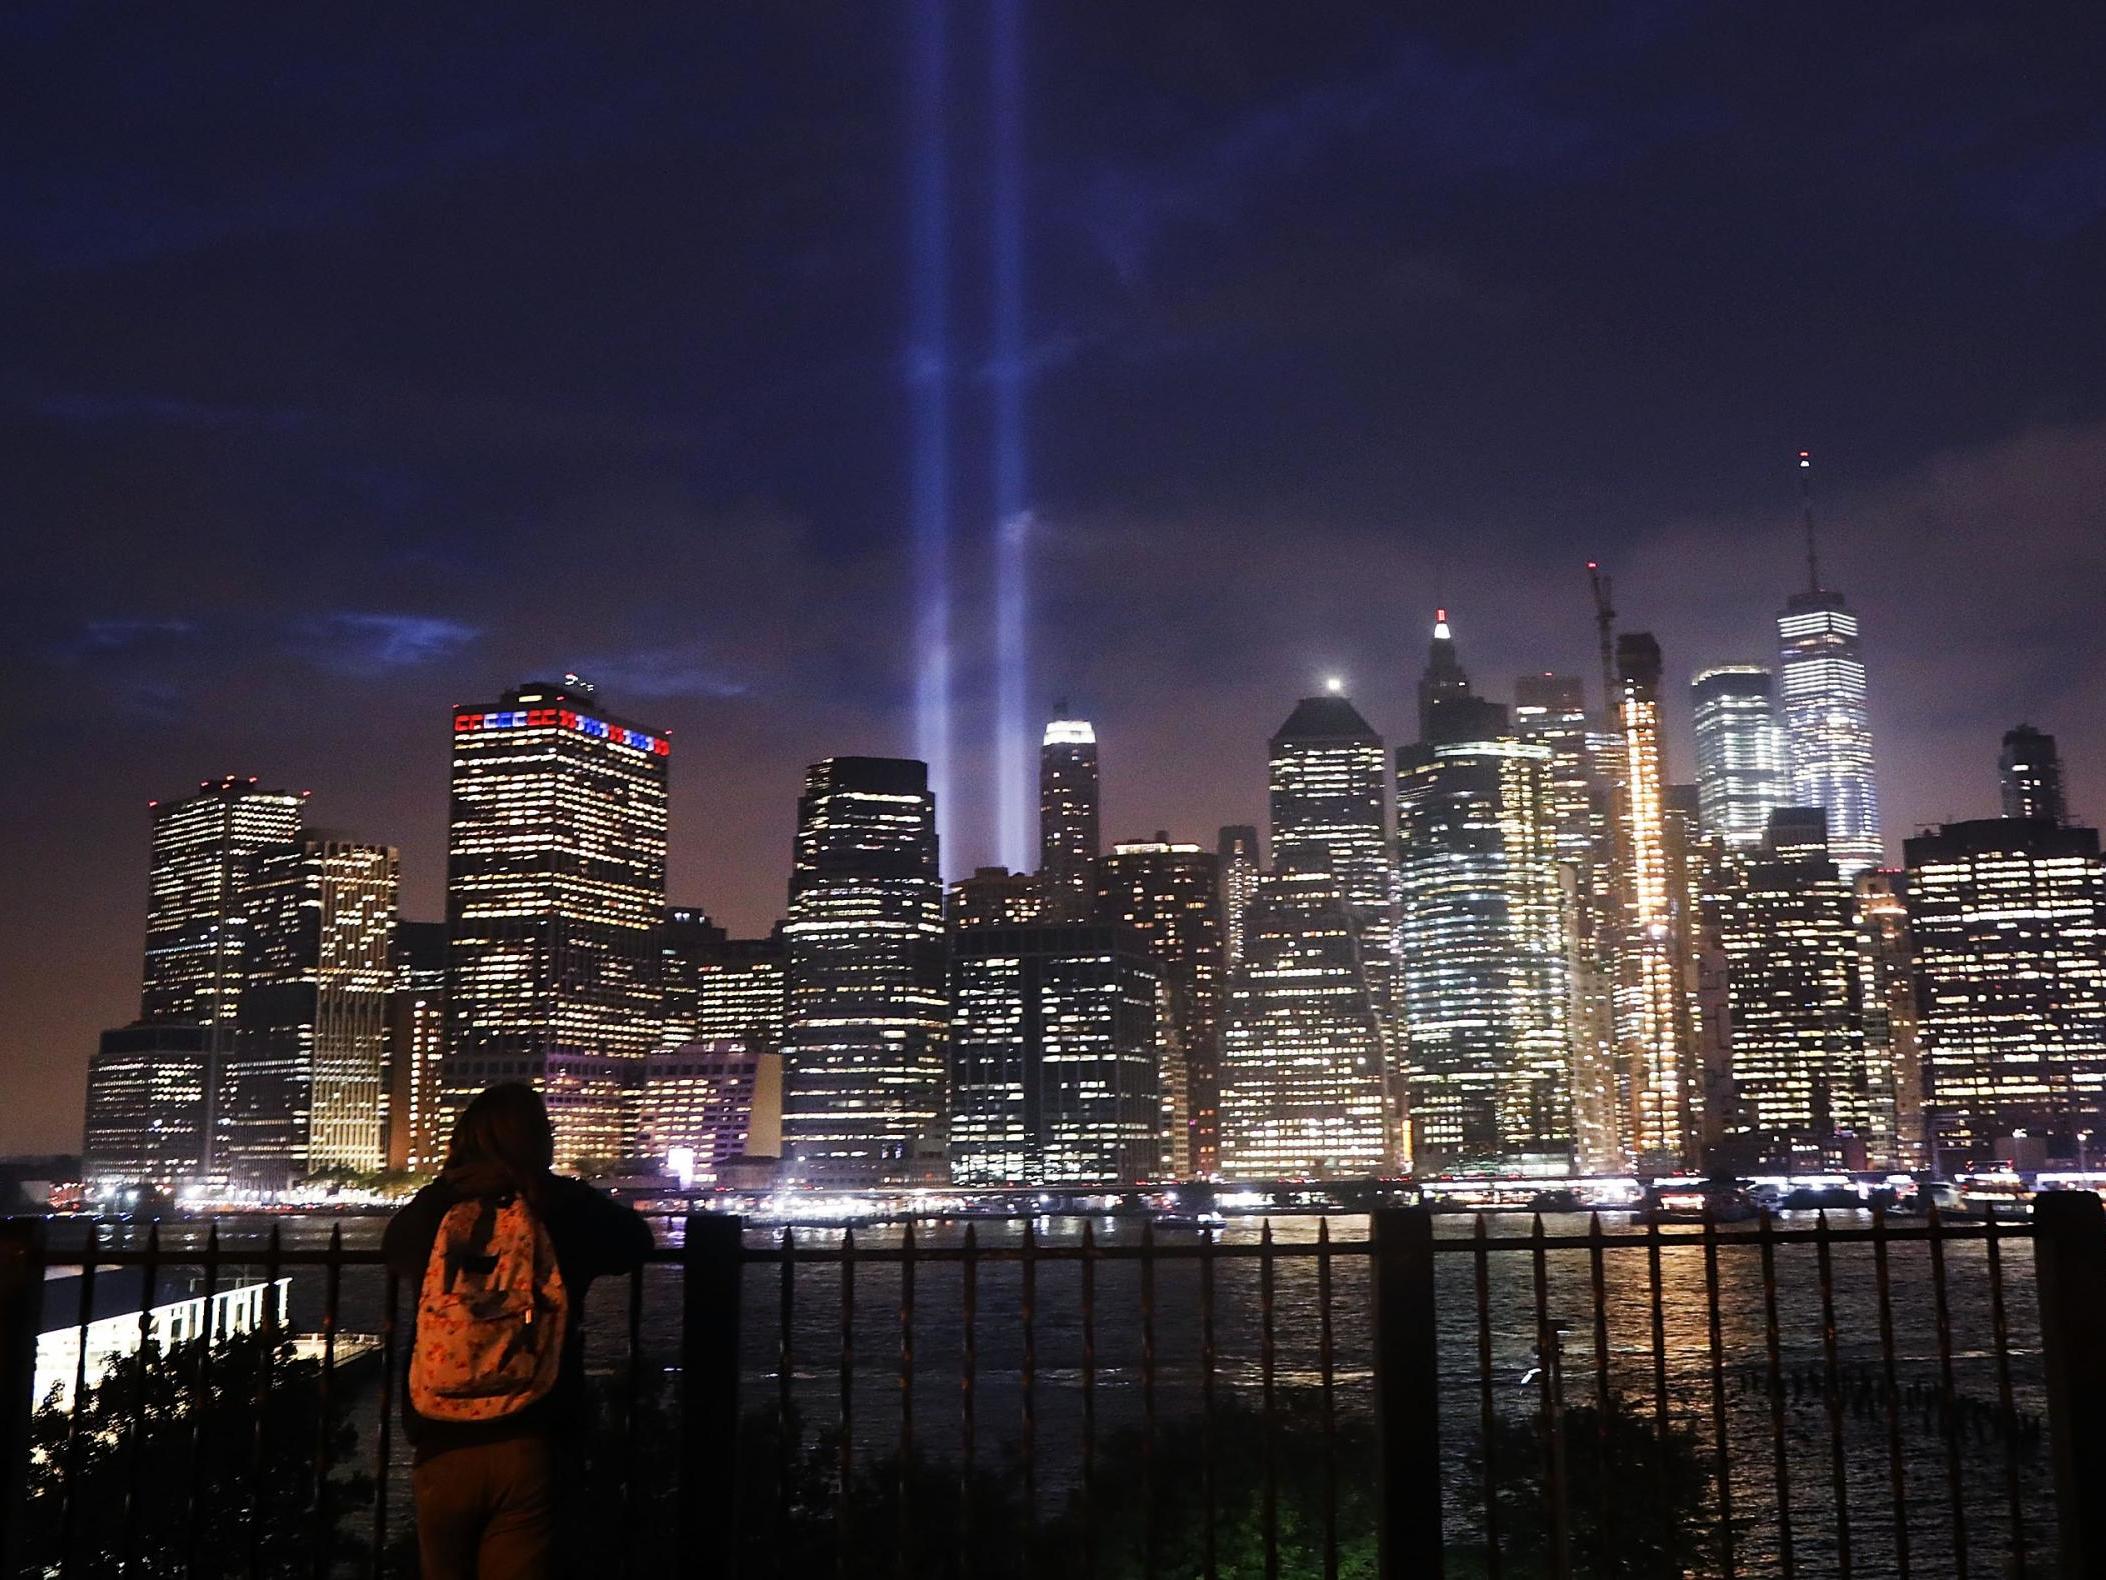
(1629, 1365)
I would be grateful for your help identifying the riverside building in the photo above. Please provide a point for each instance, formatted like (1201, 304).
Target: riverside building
(1068, 818)
(1304, 1092)
(1787, 922)
(302, 1089)
(868, 1004)
(2007, 917)
(1054, 1048)
(1329, 804)
(1483, 988)
(1655, 1062)
(197, 930)
(1169, 895)
(146, 1105)
(1893, 1057)
(555, 893)
(708, 1102)
(1551, 710)
(417, 1128)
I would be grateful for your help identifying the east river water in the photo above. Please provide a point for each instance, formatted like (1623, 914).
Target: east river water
(1982, 1472)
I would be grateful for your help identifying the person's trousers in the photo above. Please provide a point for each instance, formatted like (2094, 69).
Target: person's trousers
(487, 1512)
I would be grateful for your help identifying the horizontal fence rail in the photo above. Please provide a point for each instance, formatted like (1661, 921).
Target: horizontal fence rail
(1497, 1395)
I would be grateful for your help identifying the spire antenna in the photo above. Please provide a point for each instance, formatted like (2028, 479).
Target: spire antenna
(1813, 551)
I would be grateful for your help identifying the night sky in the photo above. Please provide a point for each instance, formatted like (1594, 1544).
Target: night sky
(357, 365)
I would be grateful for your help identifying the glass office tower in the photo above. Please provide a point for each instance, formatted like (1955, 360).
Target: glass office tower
(1741, 773)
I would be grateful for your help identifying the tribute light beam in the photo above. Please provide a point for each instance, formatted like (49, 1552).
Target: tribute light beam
(928, 379)
(1012, 514)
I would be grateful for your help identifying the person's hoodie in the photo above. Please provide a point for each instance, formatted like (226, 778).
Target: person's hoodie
(592, 1234)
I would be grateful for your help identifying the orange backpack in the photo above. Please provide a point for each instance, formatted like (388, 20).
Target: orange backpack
(490, 1314)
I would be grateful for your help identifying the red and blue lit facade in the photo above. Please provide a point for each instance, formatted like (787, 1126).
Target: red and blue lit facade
(565, 719)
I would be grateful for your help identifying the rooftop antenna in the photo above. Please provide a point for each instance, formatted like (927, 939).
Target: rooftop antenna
(1813, 553)
(1605, 629)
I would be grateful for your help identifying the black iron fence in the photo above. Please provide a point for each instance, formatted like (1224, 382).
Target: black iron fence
(1499, 1396)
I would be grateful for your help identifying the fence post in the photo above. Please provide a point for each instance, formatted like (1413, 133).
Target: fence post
(709, 1395)
(21, 1319)
(1407, 1394)
(2069, 1262)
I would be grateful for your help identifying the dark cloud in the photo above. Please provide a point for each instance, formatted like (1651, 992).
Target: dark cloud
(365, 645)
(105, 638)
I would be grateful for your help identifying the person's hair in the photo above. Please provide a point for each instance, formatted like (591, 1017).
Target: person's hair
(505, 1128)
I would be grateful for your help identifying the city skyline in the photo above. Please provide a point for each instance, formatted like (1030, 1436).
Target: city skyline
(1302, 335)
(1456, 689)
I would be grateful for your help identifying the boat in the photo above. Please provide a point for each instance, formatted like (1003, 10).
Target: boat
(1667, 1204)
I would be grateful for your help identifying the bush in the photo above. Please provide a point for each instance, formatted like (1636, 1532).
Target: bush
(171, 1466)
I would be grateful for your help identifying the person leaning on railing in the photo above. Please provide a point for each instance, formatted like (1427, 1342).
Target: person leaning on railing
(486, 1442)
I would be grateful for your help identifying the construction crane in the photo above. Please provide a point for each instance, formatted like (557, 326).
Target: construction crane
(1605, 627)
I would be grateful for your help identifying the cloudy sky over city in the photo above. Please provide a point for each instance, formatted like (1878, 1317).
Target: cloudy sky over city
(359, 365)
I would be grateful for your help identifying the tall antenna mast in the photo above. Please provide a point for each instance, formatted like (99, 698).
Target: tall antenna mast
(1605, 628)
(1813, 552)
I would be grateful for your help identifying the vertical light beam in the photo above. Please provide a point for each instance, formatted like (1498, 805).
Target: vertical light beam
(928, 378)
(1014, 745)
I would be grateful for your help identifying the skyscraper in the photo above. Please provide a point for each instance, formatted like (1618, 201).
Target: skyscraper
(1169, 895)
(1329, 803)
(1652, 1015)
(1236, 849)
(196, 930)
(1053, 1057)
(146, 1105)
(2029, 772)
(1067, 818)
(1482, 984)
(1303, 1084)
(1828, 732)
(1483, 993)
(417, 1131)
(1551, 710)
(1787, 918)
(555, 896)
(1893, 1057)
(203, 848)
(868, 1003)
(301, 1089)
(1741, 772)
(2008, 919)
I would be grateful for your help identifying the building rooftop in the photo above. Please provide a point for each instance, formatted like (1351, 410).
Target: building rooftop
(1326, 719)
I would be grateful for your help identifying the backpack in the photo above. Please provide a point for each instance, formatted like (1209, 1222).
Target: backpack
(490, 1314)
